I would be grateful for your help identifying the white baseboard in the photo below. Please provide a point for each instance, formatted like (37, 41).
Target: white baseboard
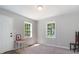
(56, 46)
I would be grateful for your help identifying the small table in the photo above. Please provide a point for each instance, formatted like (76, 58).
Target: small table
(20, 44)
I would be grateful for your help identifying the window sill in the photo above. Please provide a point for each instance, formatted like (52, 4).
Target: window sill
(25, 37)
(51, 37)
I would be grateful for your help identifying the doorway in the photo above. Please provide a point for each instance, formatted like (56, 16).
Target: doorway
(6, 31)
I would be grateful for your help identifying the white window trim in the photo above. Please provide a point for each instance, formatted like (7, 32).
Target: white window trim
(47, 30)
(30, 29)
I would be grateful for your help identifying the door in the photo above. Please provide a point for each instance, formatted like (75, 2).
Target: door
(6, 29)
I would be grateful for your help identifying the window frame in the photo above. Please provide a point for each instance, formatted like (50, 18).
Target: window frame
(52, 36)
(25, 22)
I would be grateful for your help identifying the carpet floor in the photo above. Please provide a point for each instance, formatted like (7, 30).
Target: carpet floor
(41, 49)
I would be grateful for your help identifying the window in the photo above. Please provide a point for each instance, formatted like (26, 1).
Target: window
(51, 30)
(27, 29)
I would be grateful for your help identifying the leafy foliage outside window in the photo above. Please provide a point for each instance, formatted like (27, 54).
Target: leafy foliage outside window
(51, 30)
(28, 29)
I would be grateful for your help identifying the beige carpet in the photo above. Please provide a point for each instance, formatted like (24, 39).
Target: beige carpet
(43, 49)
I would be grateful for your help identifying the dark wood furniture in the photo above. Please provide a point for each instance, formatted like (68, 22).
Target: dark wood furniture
(76, 44)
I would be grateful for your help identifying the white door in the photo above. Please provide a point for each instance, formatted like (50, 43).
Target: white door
(6, 28)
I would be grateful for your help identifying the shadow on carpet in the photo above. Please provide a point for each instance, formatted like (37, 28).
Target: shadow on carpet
(11, 52)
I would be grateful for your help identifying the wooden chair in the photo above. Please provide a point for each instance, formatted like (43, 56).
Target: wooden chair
(76, 44)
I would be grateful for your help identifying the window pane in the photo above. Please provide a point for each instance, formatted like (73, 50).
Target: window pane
(27, 29)
(51, 29)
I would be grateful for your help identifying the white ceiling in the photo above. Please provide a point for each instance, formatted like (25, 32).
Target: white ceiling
(32, 12)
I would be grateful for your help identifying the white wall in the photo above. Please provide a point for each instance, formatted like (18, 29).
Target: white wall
(6, 27)
(18, 27)
(66, 25)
